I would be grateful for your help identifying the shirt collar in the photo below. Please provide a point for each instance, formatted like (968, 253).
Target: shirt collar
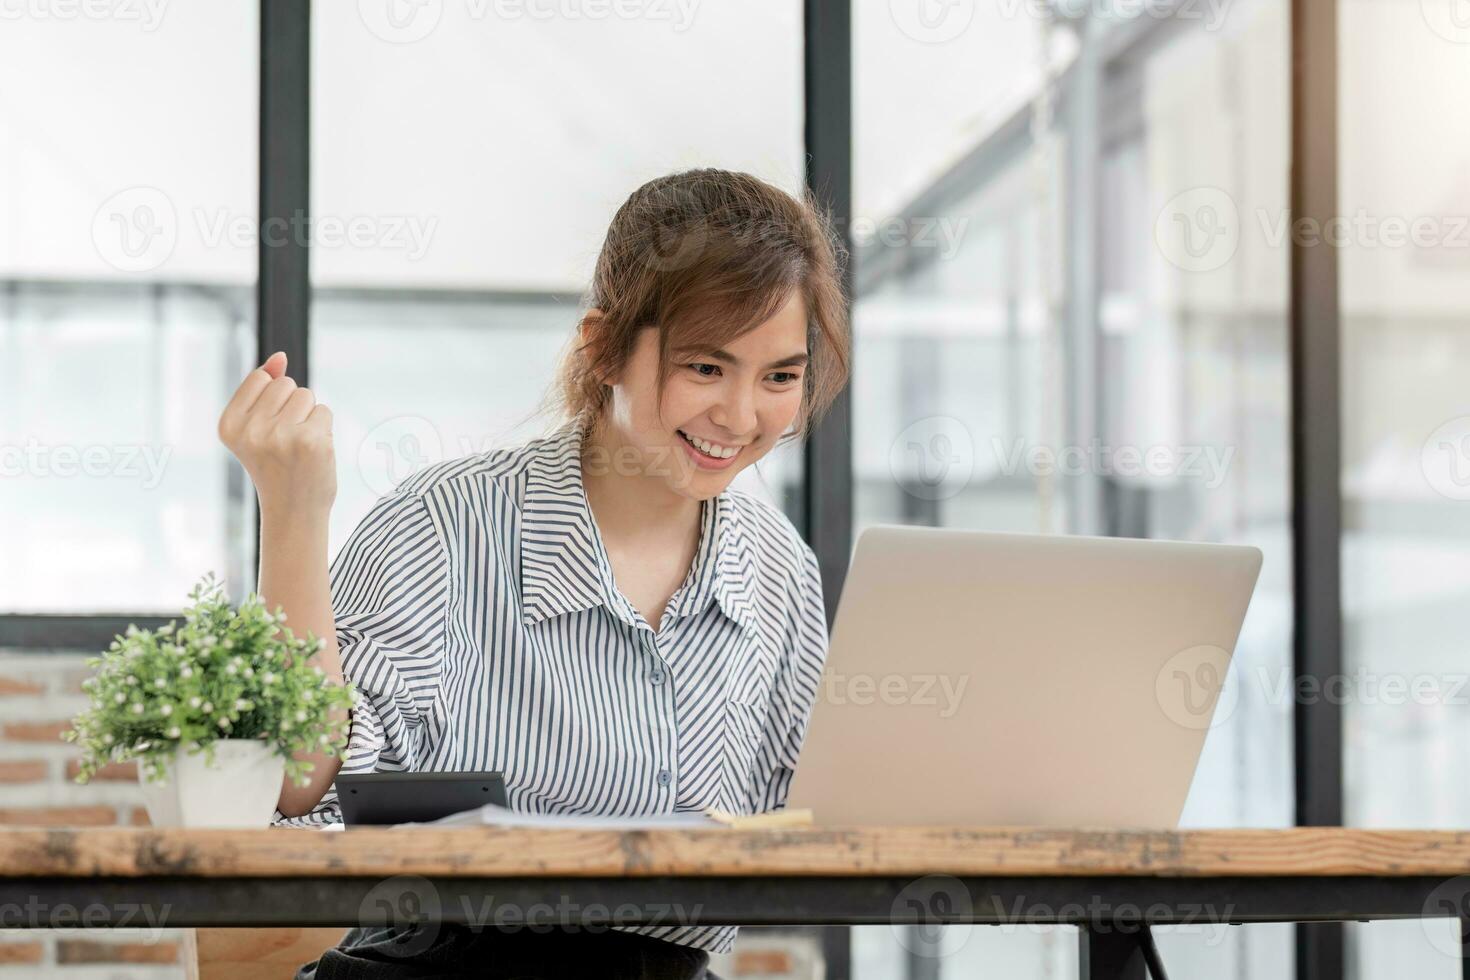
(565, 568)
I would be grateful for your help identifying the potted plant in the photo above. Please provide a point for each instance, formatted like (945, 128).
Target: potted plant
(213, 711)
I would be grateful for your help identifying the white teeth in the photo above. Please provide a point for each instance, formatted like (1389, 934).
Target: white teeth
(709, 448)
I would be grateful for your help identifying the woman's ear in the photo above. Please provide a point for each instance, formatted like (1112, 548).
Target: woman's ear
(592, 338)
(590, 326)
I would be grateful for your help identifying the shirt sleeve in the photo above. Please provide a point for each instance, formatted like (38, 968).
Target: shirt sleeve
(390, 596)
(794, 691)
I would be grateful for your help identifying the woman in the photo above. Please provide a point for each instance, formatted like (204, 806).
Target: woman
(594, 613)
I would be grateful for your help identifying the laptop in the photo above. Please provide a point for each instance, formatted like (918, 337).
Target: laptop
(993, 679)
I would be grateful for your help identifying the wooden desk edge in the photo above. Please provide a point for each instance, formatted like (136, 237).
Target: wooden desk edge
(837, 851)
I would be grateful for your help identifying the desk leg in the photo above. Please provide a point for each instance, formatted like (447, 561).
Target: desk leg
(1108, 954)
(836, 952)
(1464, 948)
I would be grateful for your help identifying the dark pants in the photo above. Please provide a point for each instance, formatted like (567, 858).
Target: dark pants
(443, 950)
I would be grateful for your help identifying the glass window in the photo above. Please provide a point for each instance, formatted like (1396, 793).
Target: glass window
(483, 150)
(126, 310)
(1072, 326)
(1405, 294)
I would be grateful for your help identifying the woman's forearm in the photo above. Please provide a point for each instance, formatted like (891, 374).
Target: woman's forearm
(294, 576)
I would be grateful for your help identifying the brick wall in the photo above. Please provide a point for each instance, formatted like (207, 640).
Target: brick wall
(39, 692)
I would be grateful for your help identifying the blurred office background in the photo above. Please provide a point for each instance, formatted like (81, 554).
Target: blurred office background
(1070, 232)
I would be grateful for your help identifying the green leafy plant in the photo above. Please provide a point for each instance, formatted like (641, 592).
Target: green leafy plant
(225, 673)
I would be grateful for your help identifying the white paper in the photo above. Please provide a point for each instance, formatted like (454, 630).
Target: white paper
(494, 815)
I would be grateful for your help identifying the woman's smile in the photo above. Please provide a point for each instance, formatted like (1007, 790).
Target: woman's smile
(706, 454)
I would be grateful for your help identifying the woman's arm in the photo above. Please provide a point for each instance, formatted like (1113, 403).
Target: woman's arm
(283, 438)
(293, 575)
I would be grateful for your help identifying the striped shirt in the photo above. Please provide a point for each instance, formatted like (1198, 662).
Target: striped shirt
(477, 615)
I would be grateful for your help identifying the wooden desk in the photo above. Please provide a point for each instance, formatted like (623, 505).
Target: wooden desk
(1107, 882)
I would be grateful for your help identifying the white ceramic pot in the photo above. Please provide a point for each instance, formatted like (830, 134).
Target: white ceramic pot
(241, 789)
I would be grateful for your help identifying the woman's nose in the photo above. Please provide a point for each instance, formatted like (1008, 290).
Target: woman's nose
(735, 412)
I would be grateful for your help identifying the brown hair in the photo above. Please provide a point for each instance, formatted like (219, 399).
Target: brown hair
(705, 256)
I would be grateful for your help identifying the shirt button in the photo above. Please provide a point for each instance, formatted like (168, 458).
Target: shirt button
(664, 777)
(656, 677)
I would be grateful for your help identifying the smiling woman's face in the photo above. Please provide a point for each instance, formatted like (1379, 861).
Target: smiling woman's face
(722, 409)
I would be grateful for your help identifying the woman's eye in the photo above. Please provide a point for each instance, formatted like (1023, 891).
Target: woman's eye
(785, 377)
(706, 370)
